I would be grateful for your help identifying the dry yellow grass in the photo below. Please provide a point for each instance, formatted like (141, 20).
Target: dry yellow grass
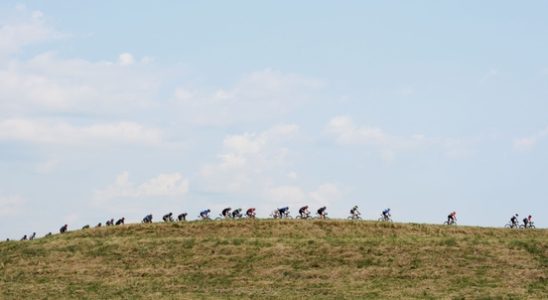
(274, 259)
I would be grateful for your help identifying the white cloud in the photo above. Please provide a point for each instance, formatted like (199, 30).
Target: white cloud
(258, 96)
(126, 59)
(15, 35)
(248, 157)
(10, 205)
(48, 84)
(163, 185)
(326, 193)
(292, 175)
(49, 132)
(529, 142)
(345, 132)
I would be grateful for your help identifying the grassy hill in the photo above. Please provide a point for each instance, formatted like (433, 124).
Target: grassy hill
(275, 259)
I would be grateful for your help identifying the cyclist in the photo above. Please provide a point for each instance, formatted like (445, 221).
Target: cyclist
(99, 225)
(303, 211)
(110, 222)
(354, 212)
(147, 218)
(182, 217)
(226, 213)
(120, 221)
(168, 217)
(527, 221)
(32, 236)
(321, 212)
(63, 229)
(237, 213)
(24, 238)
(283, 212)
(514, 220)
(250, 213)
(452, 218)
(386, 214)
(205, 214)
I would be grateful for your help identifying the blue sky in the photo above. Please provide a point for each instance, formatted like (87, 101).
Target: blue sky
(123, 109)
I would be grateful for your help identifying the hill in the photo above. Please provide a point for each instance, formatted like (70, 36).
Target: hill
(274, 259)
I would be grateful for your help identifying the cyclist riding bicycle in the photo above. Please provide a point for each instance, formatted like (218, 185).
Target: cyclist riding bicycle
(147, 218)
(237, 213)
(322, 212)
(283, 212)
(168, 217)
(226, 212)
(527, 221)
(250, 213)
(32, 236)
(514, 220)
(303, 212)
(386, 214)
(182, 217)
(120, 221)
(452, 217)
(205, 214)
(63, 229)
(354, 212)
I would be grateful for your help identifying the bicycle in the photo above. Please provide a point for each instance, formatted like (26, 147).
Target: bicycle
(511, 225)
(223, 217)
(451, 222)
(275, 214)
(355, 216)
(286, 215)
(531, 225)
(303, 216)
(321, 216)
(204, 218)
(384, 218)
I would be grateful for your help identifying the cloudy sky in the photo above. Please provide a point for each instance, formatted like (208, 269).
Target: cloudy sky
(123, 109)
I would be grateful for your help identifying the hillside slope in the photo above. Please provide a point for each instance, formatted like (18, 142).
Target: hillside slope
(274, 259)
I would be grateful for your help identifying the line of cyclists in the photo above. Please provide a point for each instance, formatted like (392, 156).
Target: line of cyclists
(514, 222)
(284, 213)
(279, 213)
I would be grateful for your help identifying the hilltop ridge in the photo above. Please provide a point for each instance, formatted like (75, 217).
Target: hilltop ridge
(278, 258)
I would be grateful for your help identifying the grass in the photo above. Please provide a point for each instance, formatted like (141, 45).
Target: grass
(271, 259)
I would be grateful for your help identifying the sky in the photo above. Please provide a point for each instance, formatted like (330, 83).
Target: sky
(123, 108)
